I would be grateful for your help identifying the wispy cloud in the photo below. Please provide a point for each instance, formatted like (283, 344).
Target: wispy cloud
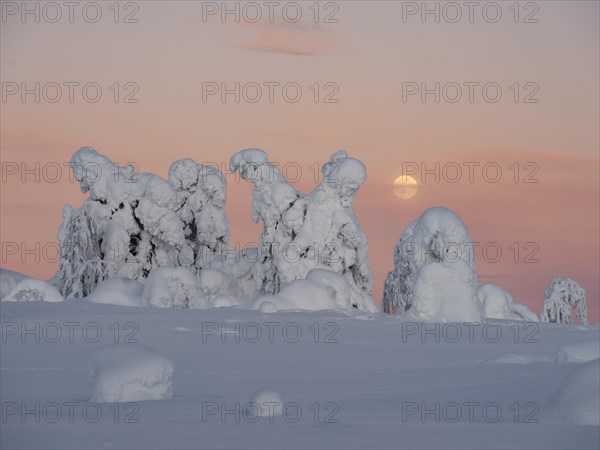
(287, 39)
(276, 35)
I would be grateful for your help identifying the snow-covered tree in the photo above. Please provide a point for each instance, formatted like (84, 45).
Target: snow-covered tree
(133, 223)
(301, 233)
(330, 236)
(399, 283)
(561, 296)
(82, 265)
(278, 205)
(434, 275)
(126, 227)
(201, 194)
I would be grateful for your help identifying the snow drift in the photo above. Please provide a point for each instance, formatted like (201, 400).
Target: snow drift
(32, 290)
(264, 403)
(498, 304)
(320, 290)
(8, 280)
(578, 352)
(172, 287)
(576, 401)
(118, 291)
(128, 373)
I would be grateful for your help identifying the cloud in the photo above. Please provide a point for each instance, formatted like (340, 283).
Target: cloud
(274, 35)
(286, 38)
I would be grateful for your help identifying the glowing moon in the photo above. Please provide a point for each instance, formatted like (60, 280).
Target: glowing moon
(405, 187)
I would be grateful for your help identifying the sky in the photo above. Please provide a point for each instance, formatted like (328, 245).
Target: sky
(494, 111)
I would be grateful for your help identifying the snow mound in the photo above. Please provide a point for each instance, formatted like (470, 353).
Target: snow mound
(172, 287)
(445, 293)
(128, 373)
(240, 266)
(265, 403)
(320, 290)
(224, 301)
(576, 401)
(32, 290)
(580, 352)
(267, 307)
(434, 276)
(118, 291)
(498, 304)
(8, 280)
(514, 358)
(213, 283)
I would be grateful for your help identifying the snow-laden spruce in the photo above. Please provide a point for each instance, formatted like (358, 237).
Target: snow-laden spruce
(434, 276)
(498, 304)
(280, 208)
(561, 296)
(302, 233)
(330, 236)
(132, 223)
(126, 227)
(399, 283)
(201, 195)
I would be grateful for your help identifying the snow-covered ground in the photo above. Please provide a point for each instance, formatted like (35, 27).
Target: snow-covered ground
(369, 380)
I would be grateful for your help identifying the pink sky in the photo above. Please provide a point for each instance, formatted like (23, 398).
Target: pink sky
(368, 54)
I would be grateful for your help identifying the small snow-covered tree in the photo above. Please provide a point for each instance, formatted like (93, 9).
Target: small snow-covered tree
(81, 265)
(398, 287)
(561, 296)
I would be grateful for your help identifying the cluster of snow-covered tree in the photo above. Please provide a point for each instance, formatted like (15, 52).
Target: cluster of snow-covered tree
(173, 235)
(139, 239)
(435, 279)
